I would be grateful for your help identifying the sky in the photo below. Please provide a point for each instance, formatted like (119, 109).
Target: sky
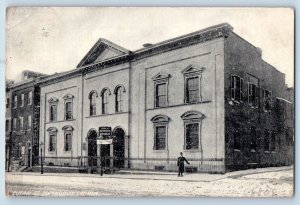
(52, 39)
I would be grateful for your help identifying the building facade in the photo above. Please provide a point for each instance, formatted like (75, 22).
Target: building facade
(24, 106)
(208, 94)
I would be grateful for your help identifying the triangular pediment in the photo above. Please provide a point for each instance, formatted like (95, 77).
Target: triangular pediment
(160, 76)
(101, 51)
(192, 69)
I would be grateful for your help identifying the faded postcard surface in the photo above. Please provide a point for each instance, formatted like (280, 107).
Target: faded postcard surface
(183, 102)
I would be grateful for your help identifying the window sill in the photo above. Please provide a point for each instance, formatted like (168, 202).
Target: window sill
(160, 150)
(60, 121)
(116, 113)
(253, 151)
(273, 152)
(236, 150)
(267, 151)
(179, 105)
(192, 150)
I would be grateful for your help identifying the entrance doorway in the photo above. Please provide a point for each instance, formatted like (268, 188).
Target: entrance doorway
(92, 148)
(119, 147)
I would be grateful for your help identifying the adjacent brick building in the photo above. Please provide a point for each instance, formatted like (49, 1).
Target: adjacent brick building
(24, 108)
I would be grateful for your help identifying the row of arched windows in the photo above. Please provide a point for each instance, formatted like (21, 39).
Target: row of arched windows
(119, 90)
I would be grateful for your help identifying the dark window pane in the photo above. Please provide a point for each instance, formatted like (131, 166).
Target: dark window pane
(192, 92)
(119, 100)
(52, 142)
(104, 102)
(160, 137)
(69, 111)
(93, 104)
(161, 93)
(68, 142)
(192, 136)
(53, 113)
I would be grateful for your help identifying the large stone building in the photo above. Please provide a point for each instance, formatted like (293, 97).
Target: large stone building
(208, 94)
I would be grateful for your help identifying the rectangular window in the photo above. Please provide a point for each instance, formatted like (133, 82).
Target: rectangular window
(29, 121)
(273, 141)
(7, 102)
(252, 91)
(15, 101)
(253, 137)
(160, 137)
(68, 110)
(15, 123)
(68, 141)
(53, 113)
(252, 95)
(22, 100)
(267, 141)
(21, 123)
(267, 100)
(192, 136)
(236, 141)
(236, 88)
(52, 142)
(119, 100)
(160, 95)
(192, 90)
(29, 100)
(6, 125)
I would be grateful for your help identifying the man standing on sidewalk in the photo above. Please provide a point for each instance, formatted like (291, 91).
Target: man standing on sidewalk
(180, 164)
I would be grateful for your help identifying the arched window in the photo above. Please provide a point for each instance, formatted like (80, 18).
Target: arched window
(68, 106)
(192, 129)
(92, 98)
(119, 98)
(104, 95)
(160, 125)
(68, 133)
(52, 139)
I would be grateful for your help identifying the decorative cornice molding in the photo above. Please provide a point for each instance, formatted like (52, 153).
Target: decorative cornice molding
(192, 115)
(68, 128)
(68, 96)
(53, 100)
(161, 76)
(192, 69)
(52, 129)
(160, 119)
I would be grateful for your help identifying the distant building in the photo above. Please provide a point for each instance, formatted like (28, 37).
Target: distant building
(7, 121)
(23, 104)
(207, 94)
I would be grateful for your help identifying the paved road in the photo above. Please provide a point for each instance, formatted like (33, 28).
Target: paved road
(249, 183)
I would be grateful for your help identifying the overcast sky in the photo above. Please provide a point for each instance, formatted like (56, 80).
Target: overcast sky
(52, 40)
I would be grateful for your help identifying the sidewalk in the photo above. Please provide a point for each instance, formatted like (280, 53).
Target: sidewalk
(169, 176)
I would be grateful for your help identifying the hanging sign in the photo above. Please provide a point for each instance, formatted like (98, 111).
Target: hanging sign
(104, 132)
(109, 141)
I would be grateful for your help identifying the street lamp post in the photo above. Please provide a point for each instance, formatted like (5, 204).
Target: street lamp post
(42, 170)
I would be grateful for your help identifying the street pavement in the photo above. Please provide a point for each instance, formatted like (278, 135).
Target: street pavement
(262, 182)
